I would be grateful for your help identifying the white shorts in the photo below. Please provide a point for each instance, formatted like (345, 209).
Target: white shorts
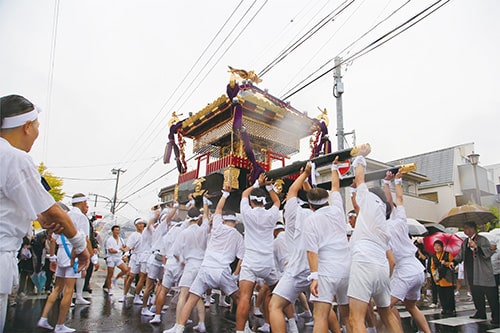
(114, 261)
(268, 274)
(207, 278)
(188, 277)
(67, 272)
(155, 272)
(461, 275)
(171, 275)
(137, 267)
(369, 280)
(330, 288)
(289, 287)
(10, 272)
(407, 288)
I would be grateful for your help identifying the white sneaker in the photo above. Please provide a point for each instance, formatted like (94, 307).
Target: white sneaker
(137, 299)
(305, 315)
(207, 303)
(156, 319)
(200, 328)
(122, 299)
(146, 312)
(457, 293)
(44, 323)
(265, 328)
(257, 312)
(110, 292)
(171, 330)
(433, 305)
(309, 323)
(81, 301)
(72, 305)
(223, 303)
(63, 329)
(291, 326)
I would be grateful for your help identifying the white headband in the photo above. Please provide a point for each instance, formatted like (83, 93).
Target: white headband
(78, 199)
(139, 220)
(20, 119)
(229, 217)
(258, 199)
(194, 218)
(319, 202)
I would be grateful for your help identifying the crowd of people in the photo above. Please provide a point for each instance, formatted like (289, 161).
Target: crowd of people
(284, 255)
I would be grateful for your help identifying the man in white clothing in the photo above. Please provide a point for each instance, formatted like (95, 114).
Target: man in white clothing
(328, 254)
(372, 260)
(294, 280)
(22, 196)
(190, 248)
(408, 276)
(114, 252)
(137, 263)
(224, 245)
(78, 216)
(259, 257)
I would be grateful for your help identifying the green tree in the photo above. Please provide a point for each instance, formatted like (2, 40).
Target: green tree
(55, 183)
(495, 223)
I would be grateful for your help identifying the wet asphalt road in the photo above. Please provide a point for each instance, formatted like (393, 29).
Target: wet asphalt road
(106, 314)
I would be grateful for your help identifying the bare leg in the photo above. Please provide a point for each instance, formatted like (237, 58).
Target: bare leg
(150, 283)
(321, 315)
(58, 288)
(276, 306)
(191, 302)
(160, 298)
(246, 289)
(69, 284)
(344, 316)
(357, 314)
(417, 315)
(200, 306)
(389, 319)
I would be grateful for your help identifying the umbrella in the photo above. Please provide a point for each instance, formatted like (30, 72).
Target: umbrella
(435, 227)
(39, 280)
(495, 231)
(461, 234)
(491, 237)
(457, 216)
(415, 228)
(451, 242)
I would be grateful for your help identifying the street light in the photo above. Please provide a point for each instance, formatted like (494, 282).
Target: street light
(474, 160)
(117, 173)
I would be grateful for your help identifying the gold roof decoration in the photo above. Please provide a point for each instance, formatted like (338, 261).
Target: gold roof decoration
(174, 119)
(201, 115)
(323, 115)
(245, 75)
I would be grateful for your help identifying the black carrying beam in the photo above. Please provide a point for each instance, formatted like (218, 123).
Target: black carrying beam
(295, 167)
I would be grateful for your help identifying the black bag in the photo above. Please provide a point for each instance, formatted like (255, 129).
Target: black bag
(443, 272)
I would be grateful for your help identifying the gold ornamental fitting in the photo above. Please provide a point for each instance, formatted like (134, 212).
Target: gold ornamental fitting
(406, 168)
(231, 175)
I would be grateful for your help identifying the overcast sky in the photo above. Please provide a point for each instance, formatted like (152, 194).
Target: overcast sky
(110, 78)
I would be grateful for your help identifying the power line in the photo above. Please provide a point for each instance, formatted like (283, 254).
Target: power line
(227, 49)
(373, 45)
(136, 145)
(323, 46)
(87, 179)
(311, 32)
(349, 46)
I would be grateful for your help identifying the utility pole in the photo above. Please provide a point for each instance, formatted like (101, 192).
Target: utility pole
(117, 173)
(338, 90)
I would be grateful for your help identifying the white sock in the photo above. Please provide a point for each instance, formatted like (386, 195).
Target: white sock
(179, 328)
(371, 330)
(293, 325)
(79, 287)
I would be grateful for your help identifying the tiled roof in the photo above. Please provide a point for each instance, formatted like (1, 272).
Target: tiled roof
(437, 165)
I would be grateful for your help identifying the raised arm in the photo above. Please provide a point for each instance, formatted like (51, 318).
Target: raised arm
(294, 189)
(222, 201)
(335, 175)
(359, 164)
(355, 205)
(398, 184)
(387, 187)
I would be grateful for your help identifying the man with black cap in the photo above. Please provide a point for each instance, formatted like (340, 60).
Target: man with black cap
(476, 254)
